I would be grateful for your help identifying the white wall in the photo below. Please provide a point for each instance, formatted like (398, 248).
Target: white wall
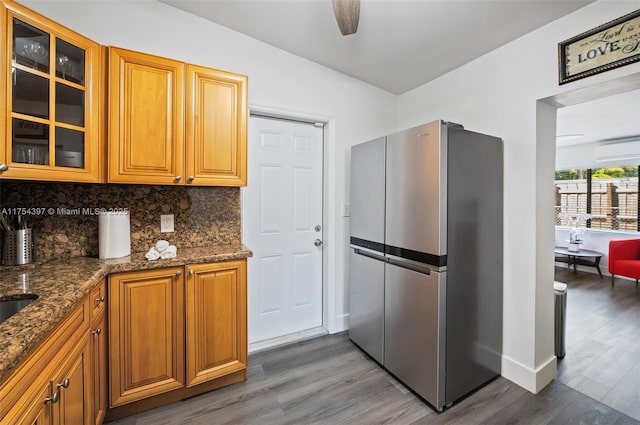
(277, 81)
(495, 94)
(596, 240)
(498, 94)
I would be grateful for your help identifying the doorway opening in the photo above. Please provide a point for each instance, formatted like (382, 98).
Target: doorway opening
(596, 178)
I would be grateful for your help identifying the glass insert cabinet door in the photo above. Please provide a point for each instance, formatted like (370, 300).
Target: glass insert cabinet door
(48, 96)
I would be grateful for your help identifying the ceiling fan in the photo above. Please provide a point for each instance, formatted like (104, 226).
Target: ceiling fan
(347, 14)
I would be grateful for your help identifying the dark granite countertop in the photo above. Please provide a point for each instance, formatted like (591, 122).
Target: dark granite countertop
(62, 284)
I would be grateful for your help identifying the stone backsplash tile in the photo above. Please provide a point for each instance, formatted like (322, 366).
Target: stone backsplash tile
(67, 227)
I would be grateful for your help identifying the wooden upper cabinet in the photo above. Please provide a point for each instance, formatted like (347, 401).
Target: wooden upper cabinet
(50, 96)
(216, 138)
(216, 320)
(174, 123)
(146, 118)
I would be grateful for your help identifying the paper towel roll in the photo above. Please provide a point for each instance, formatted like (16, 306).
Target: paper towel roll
(114, 234)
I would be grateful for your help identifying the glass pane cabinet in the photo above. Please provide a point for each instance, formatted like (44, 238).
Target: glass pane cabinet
(52, 119)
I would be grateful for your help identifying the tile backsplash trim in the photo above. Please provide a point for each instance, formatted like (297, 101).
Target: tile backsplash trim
(204, 216)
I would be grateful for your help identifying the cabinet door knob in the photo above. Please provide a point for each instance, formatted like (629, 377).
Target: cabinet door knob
(3, 167)
(192, 178)
(100, 299)
(63, 384)
(98, 331)
(191, 272)
(178, 273)
(178, 178)
(53, 399)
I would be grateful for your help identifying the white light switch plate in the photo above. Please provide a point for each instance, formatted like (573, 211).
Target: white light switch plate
(166, 223)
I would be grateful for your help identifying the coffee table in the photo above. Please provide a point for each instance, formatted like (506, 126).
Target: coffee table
(583, 257)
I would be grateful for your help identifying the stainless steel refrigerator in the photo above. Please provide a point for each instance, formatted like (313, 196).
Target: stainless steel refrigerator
(425, 283)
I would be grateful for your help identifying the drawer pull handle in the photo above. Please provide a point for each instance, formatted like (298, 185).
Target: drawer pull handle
(63, 384)
(100, 299)
(53, 399)
(97, 331)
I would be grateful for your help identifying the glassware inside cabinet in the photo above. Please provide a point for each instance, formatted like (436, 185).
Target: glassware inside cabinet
(69, 62)
(30, 46)
(30, 142)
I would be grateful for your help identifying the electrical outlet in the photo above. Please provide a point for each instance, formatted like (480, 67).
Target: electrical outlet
(166, 223)
(346, 210)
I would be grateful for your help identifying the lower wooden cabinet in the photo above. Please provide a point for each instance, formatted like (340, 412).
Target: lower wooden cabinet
(146, 333)
(216, 320)
(55, 384)
(148, 313)
(73, 387)
(39, 411)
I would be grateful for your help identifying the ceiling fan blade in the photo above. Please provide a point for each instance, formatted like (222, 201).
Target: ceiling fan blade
(347, 14)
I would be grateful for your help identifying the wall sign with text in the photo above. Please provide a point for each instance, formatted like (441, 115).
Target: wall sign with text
(608, 46)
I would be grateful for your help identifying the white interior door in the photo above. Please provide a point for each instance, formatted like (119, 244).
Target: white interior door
(282, 219)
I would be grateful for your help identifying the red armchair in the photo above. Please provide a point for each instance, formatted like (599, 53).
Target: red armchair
(624, 259)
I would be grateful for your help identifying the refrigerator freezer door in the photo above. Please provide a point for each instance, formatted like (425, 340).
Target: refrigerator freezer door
(416, 195)
(366, 304)
(414, 331)
(474, 261)
(367, 191)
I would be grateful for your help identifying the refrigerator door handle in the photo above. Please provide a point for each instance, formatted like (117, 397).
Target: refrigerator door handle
(369, 253)
(411, 265)
(415, 265)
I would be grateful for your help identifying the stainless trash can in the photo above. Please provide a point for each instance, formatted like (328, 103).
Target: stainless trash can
(560, 299)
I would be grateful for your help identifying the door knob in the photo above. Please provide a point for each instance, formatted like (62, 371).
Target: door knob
(317, 242)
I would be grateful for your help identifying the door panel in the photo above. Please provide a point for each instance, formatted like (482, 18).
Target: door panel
(367, 190)
(146, 316)
(366, 304)
(416, 190)
(216, 127)
(216, 320)
(146, 138)
(281, 207)
(413, 345)
(75, 395)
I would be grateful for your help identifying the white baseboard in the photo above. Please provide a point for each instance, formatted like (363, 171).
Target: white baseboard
(529, 379)
(255, 347)
(340, 323)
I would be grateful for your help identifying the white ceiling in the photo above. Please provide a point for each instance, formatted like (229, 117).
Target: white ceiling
(609, 119)
(400, 44)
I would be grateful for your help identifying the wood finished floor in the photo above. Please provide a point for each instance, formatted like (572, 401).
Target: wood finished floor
(328, 380)
(603, 340)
